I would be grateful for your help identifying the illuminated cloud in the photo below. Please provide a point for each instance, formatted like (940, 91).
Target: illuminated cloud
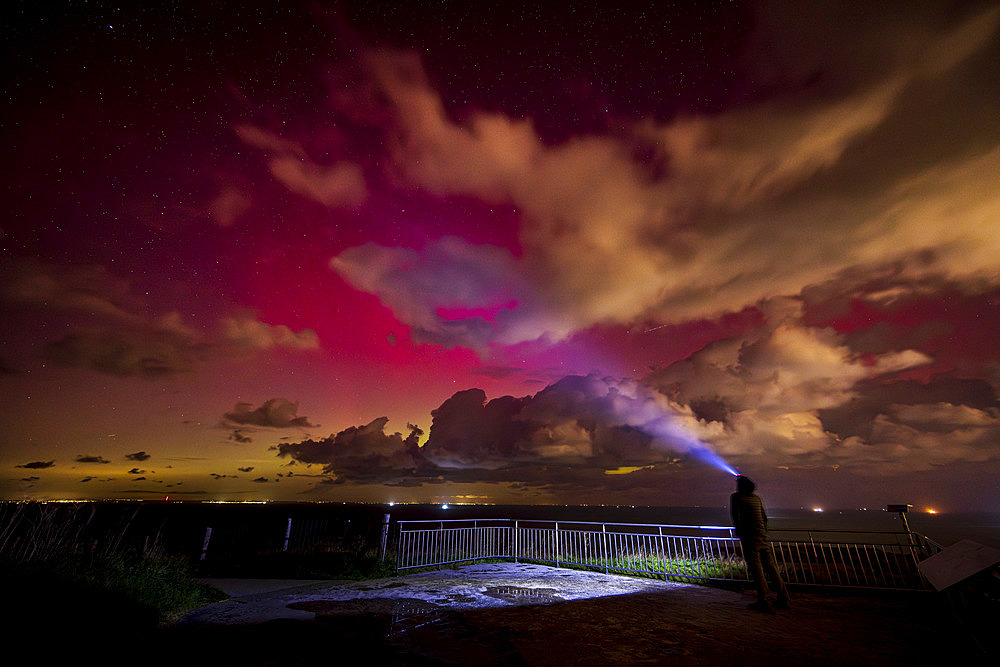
(274, 413)
(229, 205)
(766, 389)
(761, 396)
(247, 333)
(783, 366)
(337, 185)
(450, 272)
(720, 212)
(910, 438)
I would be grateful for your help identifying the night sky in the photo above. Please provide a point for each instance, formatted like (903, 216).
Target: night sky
(501, 252)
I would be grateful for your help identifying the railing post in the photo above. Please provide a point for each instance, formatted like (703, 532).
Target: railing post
(514, 543)
(555, 553)
(399, 546)
(204, 544)
(604, 546)
(385, 535)
(663, 560)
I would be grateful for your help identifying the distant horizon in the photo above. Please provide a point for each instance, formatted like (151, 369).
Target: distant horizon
(456, 504)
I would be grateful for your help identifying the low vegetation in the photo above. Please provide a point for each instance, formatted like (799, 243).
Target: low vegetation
(52, 557)
(361, 562)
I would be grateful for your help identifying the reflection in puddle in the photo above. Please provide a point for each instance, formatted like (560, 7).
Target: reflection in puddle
(375, 616)
(519, 595)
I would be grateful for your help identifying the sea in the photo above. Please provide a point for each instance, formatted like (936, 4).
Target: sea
(183, 527)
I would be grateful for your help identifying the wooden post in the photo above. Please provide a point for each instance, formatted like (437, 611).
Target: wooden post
(288, 533)
(204, 545)
(385, 535)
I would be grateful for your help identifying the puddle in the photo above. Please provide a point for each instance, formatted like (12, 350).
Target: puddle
(519, 595)
(374, 617)
(353, 607)
(455, 598)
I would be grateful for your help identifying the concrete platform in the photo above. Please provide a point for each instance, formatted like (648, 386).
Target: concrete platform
(469, 587)
(517, 614)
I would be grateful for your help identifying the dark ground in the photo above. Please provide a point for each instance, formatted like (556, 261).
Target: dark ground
(687, 625)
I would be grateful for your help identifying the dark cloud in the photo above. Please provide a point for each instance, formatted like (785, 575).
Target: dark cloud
(87, 479)
(216, 475)
(262, 480)
(7, 369)
(577, 427)
(114, 332)
(238, 436)
(137, 456)
(857, 416)
(360, 452)
(139, 479)
(136, 471)
(274, 413)
(33, 478)
(37, 465)
(246, 469)
(149, 354)
(85, 458)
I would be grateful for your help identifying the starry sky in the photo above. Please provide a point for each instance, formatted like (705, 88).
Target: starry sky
(501, 252)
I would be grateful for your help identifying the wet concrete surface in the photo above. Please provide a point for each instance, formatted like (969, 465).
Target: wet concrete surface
(470, 587)
(516, 614)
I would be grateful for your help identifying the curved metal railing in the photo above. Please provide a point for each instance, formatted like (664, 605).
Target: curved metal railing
(828, 557)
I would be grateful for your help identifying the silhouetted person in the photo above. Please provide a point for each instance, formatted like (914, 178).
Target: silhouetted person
(750, 523)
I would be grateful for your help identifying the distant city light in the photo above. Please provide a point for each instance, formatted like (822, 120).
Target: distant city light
(391, 503)
(930, 511)
(817, 509)
(444, 506)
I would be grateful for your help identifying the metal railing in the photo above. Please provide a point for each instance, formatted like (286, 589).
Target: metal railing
(838, 558)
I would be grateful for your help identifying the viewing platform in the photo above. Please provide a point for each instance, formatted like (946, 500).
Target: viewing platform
(516, 613)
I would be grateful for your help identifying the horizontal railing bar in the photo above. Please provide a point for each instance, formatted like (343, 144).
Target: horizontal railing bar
(655, 525)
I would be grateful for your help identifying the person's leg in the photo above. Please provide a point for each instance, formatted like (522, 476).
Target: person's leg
(767, 559)
(752, 555)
